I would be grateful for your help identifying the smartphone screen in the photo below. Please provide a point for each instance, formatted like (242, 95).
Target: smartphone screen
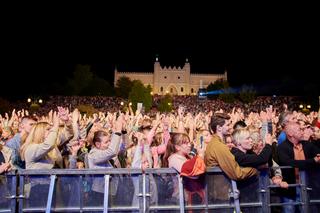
(270, 130)
(201, 141)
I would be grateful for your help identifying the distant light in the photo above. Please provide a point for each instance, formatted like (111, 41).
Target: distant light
(169, 104)
(309, 106)
(29, 100)
(40, 101)
(300, 106)
(201, 93)
(274, 96)
(151, 93)
(130, 104)
(121, 103)
(167, 91)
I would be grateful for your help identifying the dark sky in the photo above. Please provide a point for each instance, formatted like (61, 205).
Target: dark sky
(262, 54)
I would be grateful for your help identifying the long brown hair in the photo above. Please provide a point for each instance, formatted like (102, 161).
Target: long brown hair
(175, 139)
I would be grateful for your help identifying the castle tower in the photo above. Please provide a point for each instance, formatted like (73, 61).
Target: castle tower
(187, 70)
(115, 76)
(156, 75)
(225, 74)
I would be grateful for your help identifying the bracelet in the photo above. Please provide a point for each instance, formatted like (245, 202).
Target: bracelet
(118, 133)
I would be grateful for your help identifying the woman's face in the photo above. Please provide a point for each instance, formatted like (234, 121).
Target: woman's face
(184, 148)
(47, 131)
(246, 143)
(206, 136)
(15, 125)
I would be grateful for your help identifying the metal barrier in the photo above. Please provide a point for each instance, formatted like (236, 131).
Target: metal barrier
(131, 190)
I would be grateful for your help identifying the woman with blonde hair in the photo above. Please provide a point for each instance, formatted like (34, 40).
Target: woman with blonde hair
(39, 150)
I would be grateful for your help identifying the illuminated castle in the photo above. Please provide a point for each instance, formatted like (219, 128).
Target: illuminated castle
(173, 80)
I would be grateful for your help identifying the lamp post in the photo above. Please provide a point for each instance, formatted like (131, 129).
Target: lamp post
(34, 103)
(305, 108)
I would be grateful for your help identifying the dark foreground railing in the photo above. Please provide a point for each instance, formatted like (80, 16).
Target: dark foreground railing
(155, 190)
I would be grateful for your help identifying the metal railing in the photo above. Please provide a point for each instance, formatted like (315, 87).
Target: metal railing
(131, 190)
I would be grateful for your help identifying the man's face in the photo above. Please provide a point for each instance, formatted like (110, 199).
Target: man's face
(294, 130)
(226, 127)
(27, 125)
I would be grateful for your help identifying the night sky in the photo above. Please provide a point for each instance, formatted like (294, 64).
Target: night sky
(262, 55)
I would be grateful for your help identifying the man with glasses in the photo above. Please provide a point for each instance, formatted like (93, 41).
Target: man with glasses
(302, 155)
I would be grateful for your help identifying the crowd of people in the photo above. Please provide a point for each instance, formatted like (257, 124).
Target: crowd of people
(239, 138)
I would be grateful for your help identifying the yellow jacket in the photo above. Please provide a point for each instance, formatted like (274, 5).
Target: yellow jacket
(218, 154)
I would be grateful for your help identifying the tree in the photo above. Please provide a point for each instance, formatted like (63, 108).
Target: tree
(123, 87)
(98, 86)
(165, 104)
(87, 109)
(82, 78)
(247, 94)
(140, 94)
(218, 84)
(227, 95)
(216, 88)
(4, 106)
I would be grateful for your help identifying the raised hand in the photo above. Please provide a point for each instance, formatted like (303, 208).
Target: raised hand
(181, 110)
(268, 139)
(75, 116)
(5, 167)
(74, 148)
(50, 114)
(63, 114)
(55, 121)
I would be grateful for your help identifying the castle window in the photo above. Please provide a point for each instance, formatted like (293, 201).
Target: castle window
(181, 89)
(165, 77)
(171, 90)
(191, 90)
(161, 89)
(178, 77)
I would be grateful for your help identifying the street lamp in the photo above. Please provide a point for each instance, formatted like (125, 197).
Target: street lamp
(34, 103)
(305, 108)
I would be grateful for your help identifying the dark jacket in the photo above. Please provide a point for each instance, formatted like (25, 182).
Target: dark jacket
(251, 159)
(286, 158)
